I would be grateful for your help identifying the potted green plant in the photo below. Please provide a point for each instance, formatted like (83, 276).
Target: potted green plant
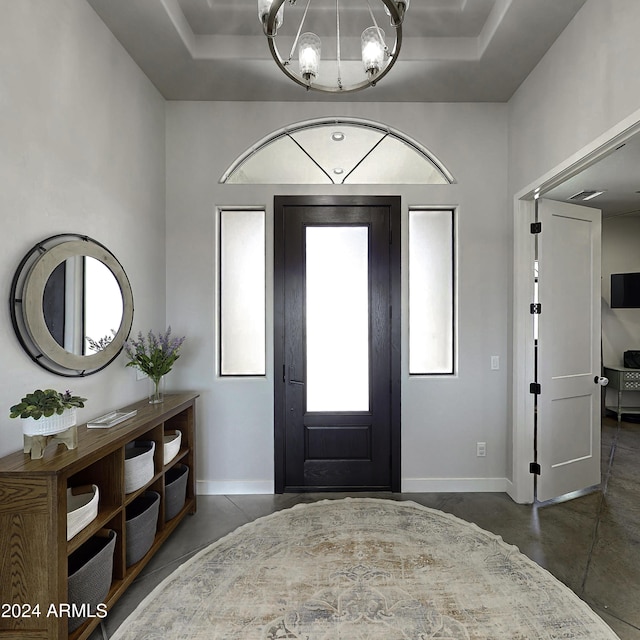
(45, 403)
(46, 414)
(154, 355)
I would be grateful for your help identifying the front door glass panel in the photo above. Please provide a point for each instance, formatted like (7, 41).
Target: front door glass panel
(337, 318)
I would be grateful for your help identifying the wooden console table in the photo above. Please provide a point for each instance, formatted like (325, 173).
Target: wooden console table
(33, 514)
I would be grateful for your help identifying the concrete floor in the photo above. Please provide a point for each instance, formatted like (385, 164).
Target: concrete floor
(591, 543)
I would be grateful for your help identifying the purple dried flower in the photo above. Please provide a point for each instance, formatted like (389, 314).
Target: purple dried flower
(101, 343)
(154, 355)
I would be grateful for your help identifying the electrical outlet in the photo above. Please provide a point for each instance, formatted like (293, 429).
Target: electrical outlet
(481, 449)
(140, 375)
(495, 363)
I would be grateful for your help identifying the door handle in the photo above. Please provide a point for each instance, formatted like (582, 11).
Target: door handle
(291, 380)
(601, 380)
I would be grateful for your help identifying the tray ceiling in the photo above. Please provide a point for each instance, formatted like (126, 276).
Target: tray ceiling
(453, 50)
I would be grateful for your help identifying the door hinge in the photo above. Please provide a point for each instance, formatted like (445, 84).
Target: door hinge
(534, 387)
(534, 467)
(536, 227)
(535, 308)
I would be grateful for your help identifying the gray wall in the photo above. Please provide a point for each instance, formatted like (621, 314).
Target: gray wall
(82, 150)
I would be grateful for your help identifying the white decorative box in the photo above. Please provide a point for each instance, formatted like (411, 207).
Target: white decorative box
(82, 508)
(171, 445)
(138, 464)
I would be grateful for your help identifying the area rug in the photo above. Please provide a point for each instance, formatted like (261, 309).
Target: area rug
(361, 569)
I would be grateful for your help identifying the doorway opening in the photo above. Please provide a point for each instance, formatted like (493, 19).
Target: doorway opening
(522, 487)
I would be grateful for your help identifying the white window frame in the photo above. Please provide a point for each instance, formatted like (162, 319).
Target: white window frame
(450, 312)
(254, 282)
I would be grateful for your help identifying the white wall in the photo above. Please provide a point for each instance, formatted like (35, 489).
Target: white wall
(81, 150)
(620, 327)
(587, 82)
(443, 418)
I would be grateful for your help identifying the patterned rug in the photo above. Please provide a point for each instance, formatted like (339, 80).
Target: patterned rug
(361, 569)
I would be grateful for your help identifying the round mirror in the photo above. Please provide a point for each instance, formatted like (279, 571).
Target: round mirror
(71, 305)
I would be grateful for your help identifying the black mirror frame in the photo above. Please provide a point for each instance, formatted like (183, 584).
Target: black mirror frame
(27, 315)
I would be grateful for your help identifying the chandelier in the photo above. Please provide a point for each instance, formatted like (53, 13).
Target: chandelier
(343, 73)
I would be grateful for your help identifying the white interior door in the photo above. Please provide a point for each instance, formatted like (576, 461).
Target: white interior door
(568, 418)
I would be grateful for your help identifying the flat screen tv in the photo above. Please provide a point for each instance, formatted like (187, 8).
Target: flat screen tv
(625, 290)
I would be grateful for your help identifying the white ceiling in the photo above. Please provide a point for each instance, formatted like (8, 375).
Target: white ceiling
(618, 175)
(453, 51)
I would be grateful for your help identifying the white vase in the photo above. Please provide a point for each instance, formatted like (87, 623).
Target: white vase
(48, 426)
(38, 433)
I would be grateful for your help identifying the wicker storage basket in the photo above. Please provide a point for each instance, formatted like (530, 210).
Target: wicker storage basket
(138, 464)
(90, 573)
(82, 508)
(141, 523)
(171, 445)
(175, 490)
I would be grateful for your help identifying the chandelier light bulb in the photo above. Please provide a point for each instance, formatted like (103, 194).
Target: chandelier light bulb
(373, 50)
(309, 49)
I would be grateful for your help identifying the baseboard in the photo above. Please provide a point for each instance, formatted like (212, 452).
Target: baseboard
(455, 485)
(508, 487)
(234, 487)
(409, 485)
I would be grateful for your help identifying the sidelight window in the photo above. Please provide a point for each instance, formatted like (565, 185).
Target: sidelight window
(431, 291)
(242, 296)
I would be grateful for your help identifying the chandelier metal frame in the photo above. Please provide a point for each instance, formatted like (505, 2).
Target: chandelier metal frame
(396, 10)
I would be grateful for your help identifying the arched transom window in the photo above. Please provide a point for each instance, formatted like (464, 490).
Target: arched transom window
(337, 151)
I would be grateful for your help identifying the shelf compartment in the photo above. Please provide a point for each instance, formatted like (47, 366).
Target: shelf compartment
(106, 473)
(105, 515)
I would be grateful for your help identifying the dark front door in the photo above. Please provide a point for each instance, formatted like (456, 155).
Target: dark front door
(337, 343)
